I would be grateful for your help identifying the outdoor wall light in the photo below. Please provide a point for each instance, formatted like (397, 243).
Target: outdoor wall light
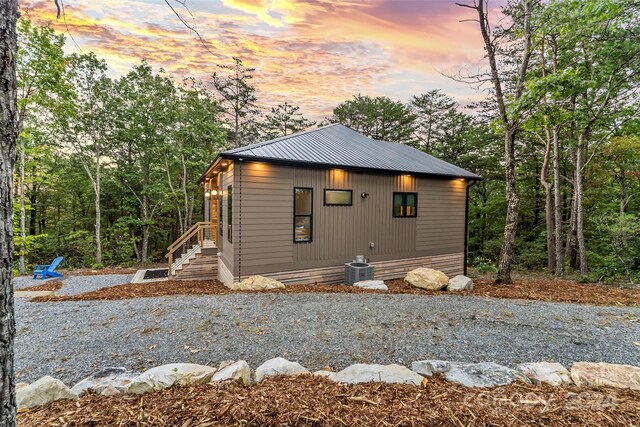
(214, 192)
(207, 194)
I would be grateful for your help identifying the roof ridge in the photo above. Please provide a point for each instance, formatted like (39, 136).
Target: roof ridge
(278, 139)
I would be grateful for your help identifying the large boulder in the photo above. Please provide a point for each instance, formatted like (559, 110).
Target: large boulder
(239, 370)
(119, 378)
(605, 374)
(545, 372)
(427, 368)
(257, 283)
(45, 390)
(486, 374)
(363, 373)
(165, 376)
(279, 366)
(460, 283)
(375, 285)
(427, 278)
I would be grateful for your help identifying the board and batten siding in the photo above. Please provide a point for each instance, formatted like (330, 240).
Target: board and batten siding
(441, 216)
(228, 250)
(367, 228)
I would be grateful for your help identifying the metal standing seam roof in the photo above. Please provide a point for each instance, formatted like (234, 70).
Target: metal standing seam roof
(337, 145)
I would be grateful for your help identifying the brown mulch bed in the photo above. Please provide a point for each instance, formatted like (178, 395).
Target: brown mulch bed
(541, 290)
(313, 401)
(52, 285)
(187, 287)
(556, 290)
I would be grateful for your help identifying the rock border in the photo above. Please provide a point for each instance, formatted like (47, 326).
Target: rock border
(115, 381)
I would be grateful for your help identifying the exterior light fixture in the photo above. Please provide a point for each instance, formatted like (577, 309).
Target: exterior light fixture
(214, 192)
(207, 194)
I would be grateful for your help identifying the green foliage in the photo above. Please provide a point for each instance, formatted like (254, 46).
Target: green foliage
(380, 118)
(484, 266)
(285, 119)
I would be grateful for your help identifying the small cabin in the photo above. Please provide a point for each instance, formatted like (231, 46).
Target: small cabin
(297, 208)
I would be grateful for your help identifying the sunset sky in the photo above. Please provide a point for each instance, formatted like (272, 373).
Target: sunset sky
(313, 53)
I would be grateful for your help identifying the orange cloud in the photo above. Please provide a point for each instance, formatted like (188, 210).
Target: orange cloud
(313, 53)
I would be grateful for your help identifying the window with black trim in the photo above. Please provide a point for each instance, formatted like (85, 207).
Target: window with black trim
(405, 205)
(220, 216)
(302, 214)
(230, 214)
(338, 197)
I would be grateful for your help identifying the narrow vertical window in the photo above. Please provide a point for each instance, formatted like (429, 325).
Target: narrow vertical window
(220, 216)
(302, 214)
(230, 214)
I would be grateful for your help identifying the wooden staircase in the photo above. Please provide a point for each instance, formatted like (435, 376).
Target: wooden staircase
(194, 255)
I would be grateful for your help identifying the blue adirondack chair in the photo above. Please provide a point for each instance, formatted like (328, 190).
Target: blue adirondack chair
(48, 270)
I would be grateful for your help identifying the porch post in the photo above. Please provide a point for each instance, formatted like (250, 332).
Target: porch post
(207, 201)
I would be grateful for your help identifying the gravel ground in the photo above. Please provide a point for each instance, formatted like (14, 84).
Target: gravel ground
(77, 284)
(72, 339)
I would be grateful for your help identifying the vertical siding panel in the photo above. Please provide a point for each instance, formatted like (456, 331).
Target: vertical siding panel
(341, 232)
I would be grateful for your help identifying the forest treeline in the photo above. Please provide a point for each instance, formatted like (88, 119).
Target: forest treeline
(108, 167)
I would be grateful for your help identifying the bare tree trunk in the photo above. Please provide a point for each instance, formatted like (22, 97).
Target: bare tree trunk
(510, 125)
(8, 139)
(548, 208)
(98, 213)
(513, 205)
(557, 207)
(144, 250)
(23, 211)
(624, 240)
(187, 219)
(579, 195)
(571, 233)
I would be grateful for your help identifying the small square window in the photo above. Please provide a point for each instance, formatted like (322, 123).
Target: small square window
(405, 205)
(338, 197)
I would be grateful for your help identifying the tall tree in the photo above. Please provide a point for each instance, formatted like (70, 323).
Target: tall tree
(142, 124)
(238, 98)
(196, 137)
(8, 138)
(430, 109)
(590, 75)
(87, 125)
(284, 120)
(379, 118)
(39, 69)
(510, 119)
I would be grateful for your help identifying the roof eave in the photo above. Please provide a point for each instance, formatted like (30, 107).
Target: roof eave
(212, 165)
(286, 162)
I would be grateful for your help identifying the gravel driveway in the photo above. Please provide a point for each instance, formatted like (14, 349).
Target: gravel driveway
(72, 339)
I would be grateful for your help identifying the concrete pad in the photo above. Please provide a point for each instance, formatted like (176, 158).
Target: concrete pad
(32, 294)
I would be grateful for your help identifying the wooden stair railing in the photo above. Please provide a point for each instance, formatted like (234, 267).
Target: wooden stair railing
(198, 229)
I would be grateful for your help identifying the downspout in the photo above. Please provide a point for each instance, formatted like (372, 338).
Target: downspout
(240, 220)
(466, 226)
